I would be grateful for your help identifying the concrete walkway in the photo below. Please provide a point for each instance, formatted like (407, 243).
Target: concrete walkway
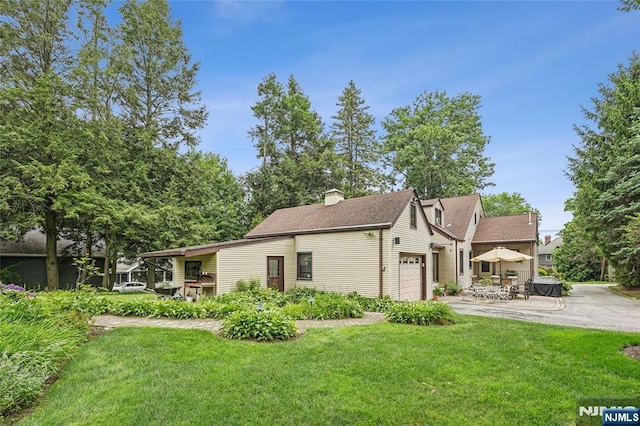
(111, 321)
(588, 306)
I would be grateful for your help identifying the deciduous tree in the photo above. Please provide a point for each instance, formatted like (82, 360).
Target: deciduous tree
(437, 145)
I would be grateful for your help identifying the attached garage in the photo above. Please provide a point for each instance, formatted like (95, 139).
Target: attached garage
(411, 277)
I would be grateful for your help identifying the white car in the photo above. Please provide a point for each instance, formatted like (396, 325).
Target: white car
(129, 287)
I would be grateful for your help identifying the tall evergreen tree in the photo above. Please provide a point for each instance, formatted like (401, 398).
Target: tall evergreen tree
(606, 170)
(356, 143)
(299, 162)
(160, 107)
(40, 145)
(437, 145)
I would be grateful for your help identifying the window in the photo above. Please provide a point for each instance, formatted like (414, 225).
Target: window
(304, 266)
(548, 257)
(485, 266)
(461, 263)
(413, 217)
(475, 218)
(192, 269)
(470, 262)
(438, 217)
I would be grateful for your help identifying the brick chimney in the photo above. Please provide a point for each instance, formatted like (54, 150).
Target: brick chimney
(547, 239)
(333, 196)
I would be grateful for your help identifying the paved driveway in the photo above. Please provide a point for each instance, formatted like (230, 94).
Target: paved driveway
(589, 306)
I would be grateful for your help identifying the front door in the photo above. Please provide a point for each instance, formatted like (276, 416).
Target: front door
(275, 272)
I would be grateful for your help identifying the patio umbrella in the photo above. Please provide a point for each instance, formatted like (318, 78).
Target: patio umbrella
(499, 254)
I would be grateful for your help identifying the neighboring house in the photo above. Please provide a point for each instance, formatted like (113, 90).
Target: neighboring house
(545, 252)
(378, 245)
(128, 270)
(461, 232)
(27, 259)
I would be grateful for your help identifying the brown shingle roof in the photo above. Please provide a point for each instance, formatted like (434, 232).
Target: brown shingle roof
(203, 249)
(506, 229)
(355, 213)
(458, 213)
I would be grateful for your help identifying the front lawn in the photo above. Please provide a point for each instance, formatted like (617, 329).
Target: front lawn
(478, 371)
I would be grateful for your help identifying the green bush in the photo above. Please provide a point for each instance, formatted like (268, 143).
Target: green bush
(421, 313)
(332, 306)
(452, 289)
(296, 295)
(259, 325)
(21, 381)
(542, 271)
(214, 308)
(372, 304)
(438, 290)
(36, 337)
(297, 311)
(252, 284)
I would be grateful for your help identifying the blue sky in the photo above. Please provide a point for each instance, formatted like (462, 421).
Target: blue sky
(534, 64)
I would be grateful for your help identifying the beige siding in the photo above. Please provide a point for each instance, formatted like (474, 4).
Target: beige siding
(414, 241)
(249, 261)
(342, 261)
(447, 271)
(464, 279)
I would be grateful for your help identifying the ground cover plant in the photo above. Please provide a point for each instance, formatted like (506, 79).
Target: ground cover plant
(36, 338)
(484, 371)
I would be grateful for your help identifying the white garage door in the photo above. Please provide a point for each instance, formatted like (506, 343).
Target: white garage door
(410, 277)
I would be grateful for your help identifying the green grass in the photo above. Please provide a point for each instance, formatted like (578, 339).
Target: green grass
(478, 371)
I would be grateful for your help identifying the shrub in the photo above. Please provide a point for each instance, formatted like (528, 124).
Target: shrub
(21, 381)
(332, 306)
(296, 295)
(216, 309)
(438, 290)
(297, 311)
(251, 284)
(452, 289)
(372, 304)
(259, 325)
(421, 313)
(542, 271)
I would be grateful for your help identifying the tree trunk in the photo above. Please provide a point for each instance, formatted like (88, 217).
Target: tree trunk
(114, 272)
(603, 268)
(151, 275)
(51, 231)
(87, 254)
(107, 261)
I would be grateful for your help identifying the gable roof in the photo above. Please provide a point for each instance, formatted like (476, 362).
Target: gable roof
(515, 228)
(204, 248)
(548, 248)
(374, 211)
(34, 244)
(458, 213)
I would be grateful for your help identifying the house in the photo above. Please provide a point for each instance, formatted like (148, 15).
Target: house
(379, 245)
(545, 252)
(26, 260)
(462, 232)
(128, 270)
(516, 232)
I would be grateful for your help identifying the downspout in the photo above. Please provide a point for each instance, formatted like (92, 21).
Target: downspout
(380, 275)
(455, 265)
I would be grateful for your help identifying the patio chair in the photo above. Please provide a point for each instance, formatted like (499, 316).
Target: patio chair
(468, 291)
(504, 293)
(492, 293)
